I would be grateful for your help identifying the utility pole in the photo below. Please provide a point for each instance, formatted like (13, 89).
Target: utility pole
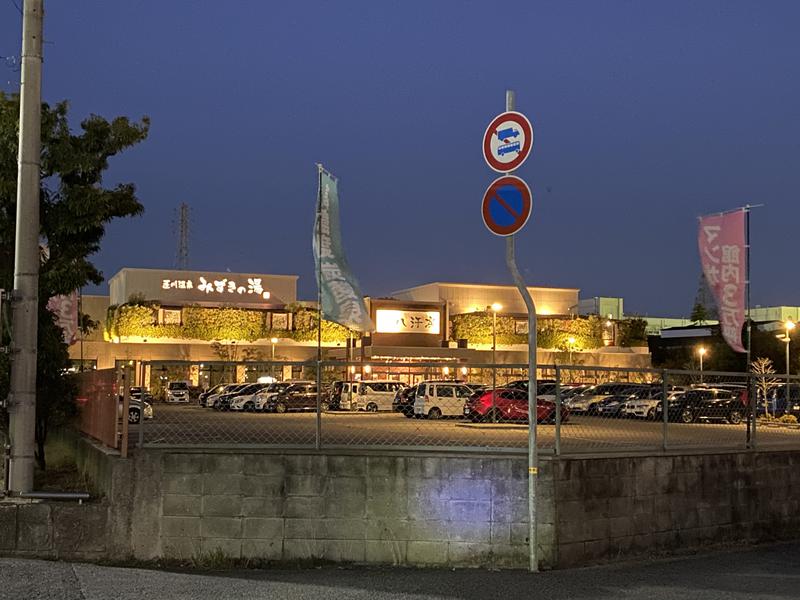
(25, 296)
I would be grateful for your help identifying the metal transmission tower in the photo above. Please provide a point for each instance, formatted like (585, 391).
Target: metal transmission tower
(182, 254)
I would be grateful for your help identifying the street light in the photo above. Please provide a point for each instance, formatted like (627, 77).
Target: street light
(702, 352)
(788, 326)
(495, 308)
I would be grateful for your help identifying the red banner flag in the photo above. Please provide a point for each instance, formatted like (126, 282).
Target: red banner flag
(722, 253)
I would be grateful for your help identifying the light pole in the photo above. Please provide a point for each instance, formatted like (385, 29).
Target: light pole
(702, 352)
(571, 344)
(495, 308)
(788, 326)
(273, 341)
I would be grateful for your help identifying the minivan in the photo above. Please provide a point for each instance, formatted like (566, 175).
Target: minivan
(437, 399)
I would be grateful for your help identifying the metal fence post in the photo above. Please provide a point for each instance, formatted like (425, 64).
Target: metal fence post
(751, 400)
(664, 409)
(142, 399)
(558, 412)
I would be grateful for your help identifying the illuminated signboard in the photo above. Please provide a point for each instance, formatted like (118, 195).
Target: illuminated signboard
(224, 286)
(407, 321)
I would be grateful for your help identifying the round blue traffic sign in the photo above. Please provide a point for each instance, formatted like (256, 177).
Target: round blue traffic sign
(506, 205)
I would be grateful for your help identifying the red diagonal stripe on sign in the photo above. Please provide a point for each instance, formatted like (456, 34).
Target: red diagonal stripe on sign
(505, 205)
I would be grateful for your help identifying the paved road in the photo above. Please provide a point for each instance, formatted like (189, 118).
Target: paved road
(190, 424)
(771, 572)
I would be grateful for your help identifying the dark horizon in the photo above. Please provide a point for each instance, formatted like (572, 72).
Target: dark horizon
(645, 117)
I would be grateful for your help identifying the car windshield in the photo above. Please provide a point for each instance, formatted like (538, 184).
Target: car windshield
(178, 385)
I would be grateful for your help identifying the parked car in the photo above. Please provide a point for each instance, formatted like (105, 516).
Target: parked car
(211, 400)
(643, 404)
(522, 384)
(263, 397)
(509, 405)
(201, 400)
(178, 391)
(404, 401)
(343, 395)
(437, 399)
(244, 399)
(135, 409)
(223, 401)
(705, 404)
(298, 396)
(377, 394)
(775, 401)
(588, 400)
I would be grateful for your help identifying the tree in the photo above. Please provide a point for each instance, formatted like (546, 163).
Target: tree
(632, 332)
(75, 208)
(699, 314)
(762, 367)
(704, 307)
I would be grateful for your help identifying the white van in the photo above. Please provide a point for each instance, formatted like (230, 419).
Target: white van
(441, 399)
(178, 391)
(376, 394)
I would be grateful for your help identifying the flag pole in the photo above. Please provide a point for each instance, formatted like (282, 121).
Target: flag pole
(747, 282)
(318, 443)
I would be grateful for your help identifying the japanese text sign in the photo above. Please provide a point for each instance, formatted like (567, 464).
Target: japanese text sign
(721, 239)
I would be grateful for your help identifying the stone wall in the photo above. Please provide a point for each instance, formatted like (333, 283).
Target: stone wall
(438, 510)
(612, 508)
(54, 530)
(422, 510)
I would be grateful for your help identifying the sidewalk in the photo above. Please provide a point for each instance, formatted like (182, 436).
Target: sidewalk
(765, 572)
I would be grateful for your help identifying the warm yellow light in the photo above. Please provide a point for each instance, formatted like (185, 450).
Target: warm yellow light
(702, 350)
(352, 369)
(274, 340)
(445, 370)
(464, 370)
(497, 307)
(608, 323)
(367, 369)
(544, 311)
(571, 340)
(789, 325)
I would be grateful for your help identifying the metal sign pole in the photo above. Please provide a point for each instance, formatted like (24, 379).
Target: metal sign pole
(533, 459)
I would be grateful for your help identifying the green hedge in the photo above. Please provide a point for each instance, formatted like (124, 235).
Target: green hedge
(551, 333)
(224, 323)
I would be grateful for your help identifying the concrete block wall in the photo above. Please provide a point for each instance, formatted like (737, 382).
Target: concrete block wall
(54, 530)
(610, 508)
(437, 510)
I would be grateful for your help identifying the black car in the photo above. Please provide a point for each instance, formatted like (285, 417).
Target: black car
(404, 401)
(298, 396)
(706, 404)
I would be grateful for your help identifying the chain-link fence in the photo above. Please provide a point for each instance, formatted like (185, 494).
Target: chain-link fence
(460, 406)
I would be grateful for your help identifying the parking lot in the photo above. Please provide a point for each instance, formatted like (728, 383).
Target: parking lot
(178, 425)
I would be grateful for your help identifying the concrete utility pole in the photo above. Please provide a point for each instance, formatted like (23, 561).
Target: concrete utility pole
(25, 296)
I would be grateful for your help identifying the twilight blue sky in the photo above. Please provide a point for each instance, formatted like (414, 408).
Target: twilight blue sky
(646, 114)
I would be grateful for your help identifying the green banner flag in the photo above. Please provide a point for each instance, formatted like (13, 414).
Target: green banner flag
(340, 294)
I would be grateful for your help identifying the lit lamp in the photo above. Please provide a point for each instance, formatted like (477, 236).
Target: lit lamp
(571, 344)
(702, 350)
(445, 371)
(367, 369)
(788, 326)
(495, 308)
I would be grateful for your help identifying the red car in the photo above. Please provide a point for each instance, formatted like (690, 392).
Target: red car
(509, 405)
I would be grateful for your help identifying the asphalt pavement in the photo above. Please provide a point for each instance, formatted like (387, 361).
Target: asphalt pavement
(190, 424)
(763, 572)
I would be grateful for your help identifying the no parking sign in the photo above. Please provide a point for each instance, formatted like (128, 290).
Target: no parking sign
(506, 205)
